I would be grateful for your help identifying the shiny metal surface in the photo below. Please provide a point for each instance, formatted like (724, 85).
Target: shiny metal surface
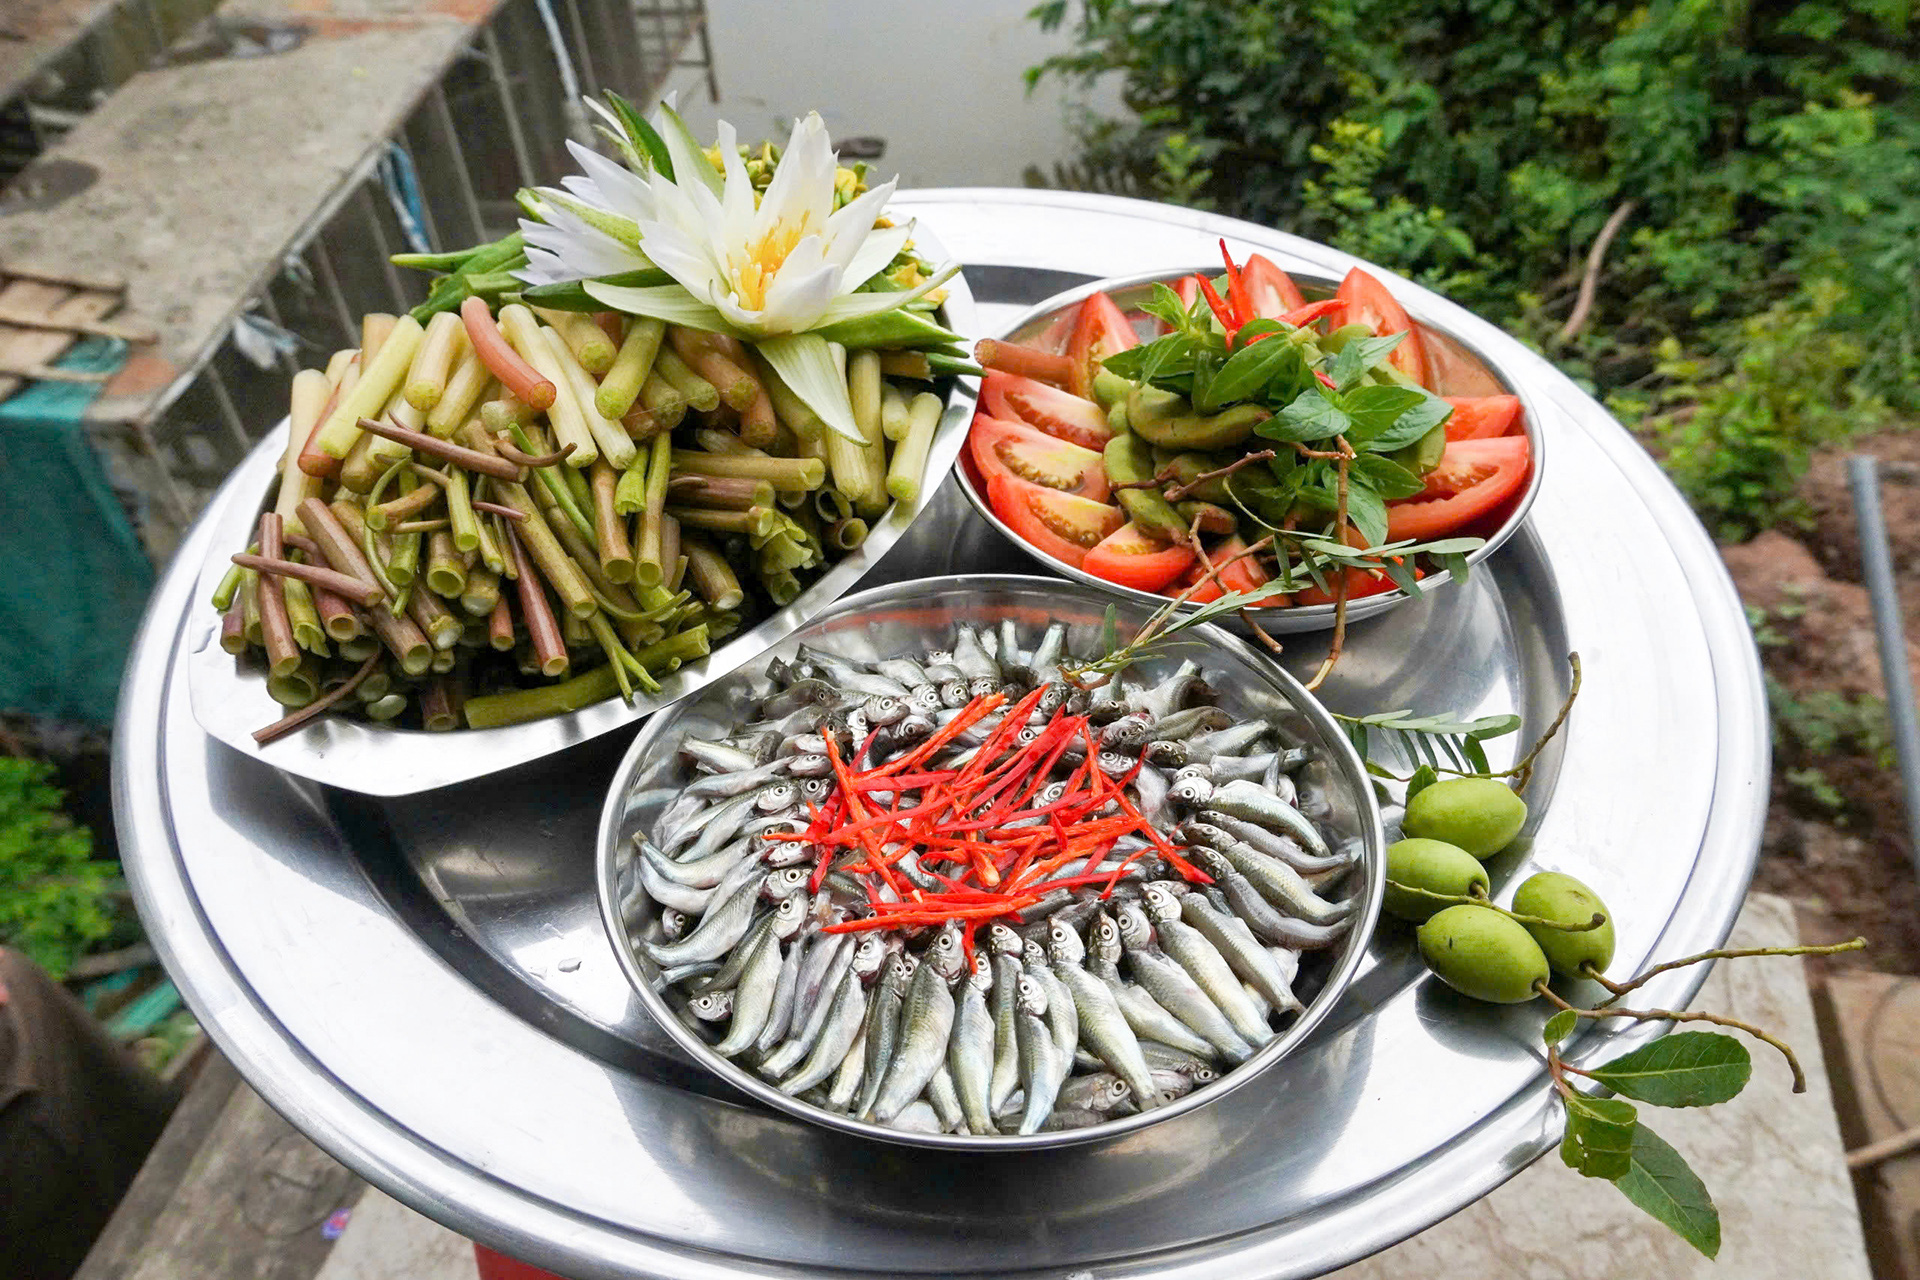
(426, 989)
(231, 701)
(1046, 326)
(910, 618)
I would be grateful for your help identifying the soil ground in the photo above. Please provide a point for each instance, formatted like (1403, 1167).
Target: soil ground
(1836, 840)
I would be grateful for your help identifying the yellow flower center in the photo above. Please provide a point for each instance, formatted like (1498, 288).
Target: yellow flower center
(754, 267)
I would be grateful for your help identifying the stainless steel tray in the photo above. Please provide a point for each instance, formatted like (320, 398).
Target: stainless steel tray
(230, 703)
(425, 987)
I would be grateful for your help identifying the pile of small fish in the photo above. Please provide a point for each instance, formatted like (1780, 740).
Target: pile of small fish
(1141, 873)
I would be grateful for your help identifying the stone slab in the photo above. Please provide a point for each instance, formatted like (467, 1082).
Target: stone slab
(1871, 1026)
(385, 1240)
(208, 172)
(1773, 1161)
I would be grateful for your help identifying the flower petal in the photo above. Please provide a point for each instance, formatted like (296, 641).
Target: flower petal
(854, 305)
(806, 364)
(667, 302)
(624, 193)
(801, 290)
(801, 192)
(736, 195)
(574, 250)
(690, 165)
(848, 229)
(873, 255)
(681, 257)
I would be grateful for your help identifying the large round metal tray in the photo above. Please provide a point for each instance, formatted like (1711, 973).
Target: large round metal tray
(1460, 370)
(230, 701)
(425, 987)
(912, 617)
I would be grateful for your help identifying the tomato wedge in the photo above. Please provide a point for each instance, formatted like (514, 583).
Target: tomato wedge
(1100, 330)
(1482, 417)
(1366, 301)
(1016, 449)
(1134, 558)
(1063, 525)
(1474, 478)
(1271, 290)
(1360, 583)
(1245, 574)
(1010, 397)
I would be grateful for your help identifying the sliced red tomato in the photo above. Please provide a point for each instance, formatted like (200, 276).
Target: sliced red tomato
(1010, 397)
(1064, 525)
(1100, 330)
(1271, 290)
(1482, 417)
(1244, 574)
(1134, 558)
(1360, 583)
(1474, 478)
(1016, 449)
(1367, 301)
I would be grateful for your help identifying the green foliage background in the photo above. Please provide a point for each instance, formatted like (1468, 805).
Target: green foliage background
(1765, 297)
(53, 896)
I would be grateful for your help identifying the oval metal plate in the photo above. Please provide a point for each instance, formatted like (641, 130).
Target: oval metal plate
(231, 702)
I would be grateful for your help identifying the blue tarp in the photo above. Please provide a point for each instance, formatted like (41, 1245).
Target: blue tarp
(74, 578)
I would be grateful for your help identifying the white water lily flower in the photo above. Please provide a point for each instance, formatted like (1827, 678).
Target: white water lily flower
(791, 263)
(771, 267)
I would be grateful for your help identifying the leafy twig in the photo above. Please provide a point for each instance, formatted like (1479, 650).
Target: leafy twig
(1180, 491)
(1689, 1015)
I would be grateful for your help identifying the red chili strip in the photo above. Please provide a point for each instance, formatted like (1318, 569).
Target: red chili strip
(1237, 295)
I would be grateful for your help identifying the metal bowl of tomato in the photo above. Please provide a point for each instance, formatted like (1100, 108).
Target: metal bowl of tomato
(1033, 465)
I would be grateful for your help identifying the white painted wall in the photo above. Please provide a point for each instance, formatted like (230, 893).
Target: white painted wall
(940, 80)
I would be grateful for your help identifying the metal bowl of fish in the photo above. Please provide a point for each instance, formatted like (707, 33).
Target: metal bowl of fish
(959, 865)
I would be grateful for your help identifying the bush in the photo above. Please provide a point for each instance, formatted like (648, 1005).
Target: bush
(1771, 155)
(52, 894)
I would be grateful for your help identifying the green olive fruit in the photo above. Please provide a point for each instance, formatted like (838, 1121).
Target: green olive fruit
(1432, 865)
(1552, 895)
(1481, 953)
(1481, 815)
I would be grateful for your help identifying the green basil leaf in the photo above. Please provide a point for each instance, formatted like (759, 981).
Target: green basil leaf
(1166, 307)
(1353, 360)
(1660, 1181)
(1686, 1069)
(1207, 363)
(1374, 409)
(1414, 423)
(1387, 476)
(1248, 371)
(1310, 417)
(1367, 510)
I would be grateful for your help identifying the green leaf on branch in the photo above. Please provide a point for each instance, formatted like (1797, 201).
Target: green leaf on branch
(1561, 1024)
(1660, 1181)
(1600, 1136)
(1367, 510)
(1685, 1069)
(1250, 369)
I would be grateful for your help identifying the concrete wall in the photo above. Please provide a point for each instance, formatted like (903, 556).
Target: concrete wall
(940, 80)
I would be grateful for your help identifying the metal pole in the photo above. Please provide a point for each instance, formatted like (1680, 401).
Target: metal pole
(1877, 563)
